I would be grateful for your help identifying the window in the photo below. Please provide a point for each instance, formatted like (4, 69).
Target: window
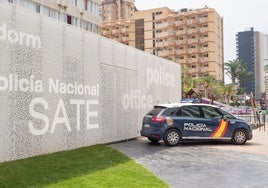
(158, 31)
(50, 12)
(95, 28)
(83, 4)
(227, 115)
(31, 5)
(210, 112)
(86, 25)
(190, 111)
(156, 110)
(73, 2)
(158, 13)
(71, 20)
(11, 1)
(170, 111)
(181, 28)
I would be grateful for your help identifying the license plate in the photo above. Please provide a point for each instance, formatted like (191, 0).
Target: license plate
(146, 125)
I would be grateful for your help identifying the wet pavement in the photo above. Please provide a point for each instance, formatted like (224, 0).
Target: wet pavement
(206, 164)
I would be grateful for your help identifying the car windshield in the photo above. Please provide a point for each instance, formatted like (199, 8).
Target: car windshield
(156, 110)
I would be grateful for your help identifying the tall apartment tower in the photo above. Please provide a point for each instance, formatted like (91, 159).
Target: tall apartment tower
(83, 14)
(113, 10)
(252, 49)
(193, 38)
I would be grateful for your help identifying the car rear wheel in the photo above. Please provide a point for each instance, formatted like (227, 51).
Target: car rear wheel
(153, 140)
(239, 137)
(172, 137)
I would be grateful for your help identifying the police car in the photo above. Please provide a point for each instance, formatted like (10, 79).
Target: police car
(175, 122)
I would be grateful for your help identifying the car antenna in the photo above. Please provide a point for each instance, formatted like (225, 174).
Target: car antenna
(168, 102)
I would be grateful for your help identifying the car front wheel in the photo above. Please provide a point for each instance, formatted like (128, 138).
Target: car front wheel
(239, 137)
(172, 137)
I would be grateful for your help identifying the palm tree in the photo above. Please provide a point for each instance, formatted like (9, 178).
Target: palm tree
(233, 69)
(208, 83)
(187, 81)
(229, 90)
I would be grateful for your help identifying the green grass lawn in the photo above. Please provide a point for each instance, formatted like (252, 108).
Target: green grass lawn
(95, 166)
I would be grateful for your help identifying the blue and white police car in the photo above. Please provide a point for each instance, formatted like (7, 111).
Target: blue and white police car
(175, 122)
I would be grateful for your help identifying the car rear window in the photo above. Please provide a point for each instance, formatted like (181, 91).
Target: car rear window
(170, 111)
(156, 110)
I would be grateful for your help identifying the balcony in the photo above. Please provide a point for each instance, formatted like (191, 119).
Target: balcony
(179, 42)
(190, 31)
(171, 33)
(189, 41)
(189, 60)
(201, 20)
(201, 39)
(188, 22)
(163, 44)
(203, 59)
(162, 53)
(177, 23)
(201, 50)
(114, 31)
(202, 30)
(162, 35)
(163, 25)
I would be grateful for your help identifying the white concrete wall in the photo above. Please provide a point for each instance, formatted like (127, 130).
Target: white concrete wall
(45, 68)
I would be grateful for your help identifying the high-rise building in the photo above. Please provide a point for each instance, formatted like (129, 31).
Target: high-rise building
(266, 82)
(79, 13)
(252, 50)
(193, 38)
(117, 9)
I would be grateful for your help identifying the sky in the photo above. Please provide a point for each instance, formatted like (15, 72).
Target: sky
(237, 15)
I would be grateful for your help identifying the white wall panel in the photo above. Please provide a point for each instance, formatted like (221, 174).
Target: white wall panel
(63, 88)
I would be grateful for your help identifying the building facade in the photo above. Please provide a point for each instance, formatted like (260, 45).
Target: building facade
(252, 50)
(83, 14)
(193, 38)
(266, 83)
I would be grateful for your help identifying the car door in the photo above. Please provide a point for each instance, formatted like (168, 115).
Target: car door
(192, 121)
(215, 123)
